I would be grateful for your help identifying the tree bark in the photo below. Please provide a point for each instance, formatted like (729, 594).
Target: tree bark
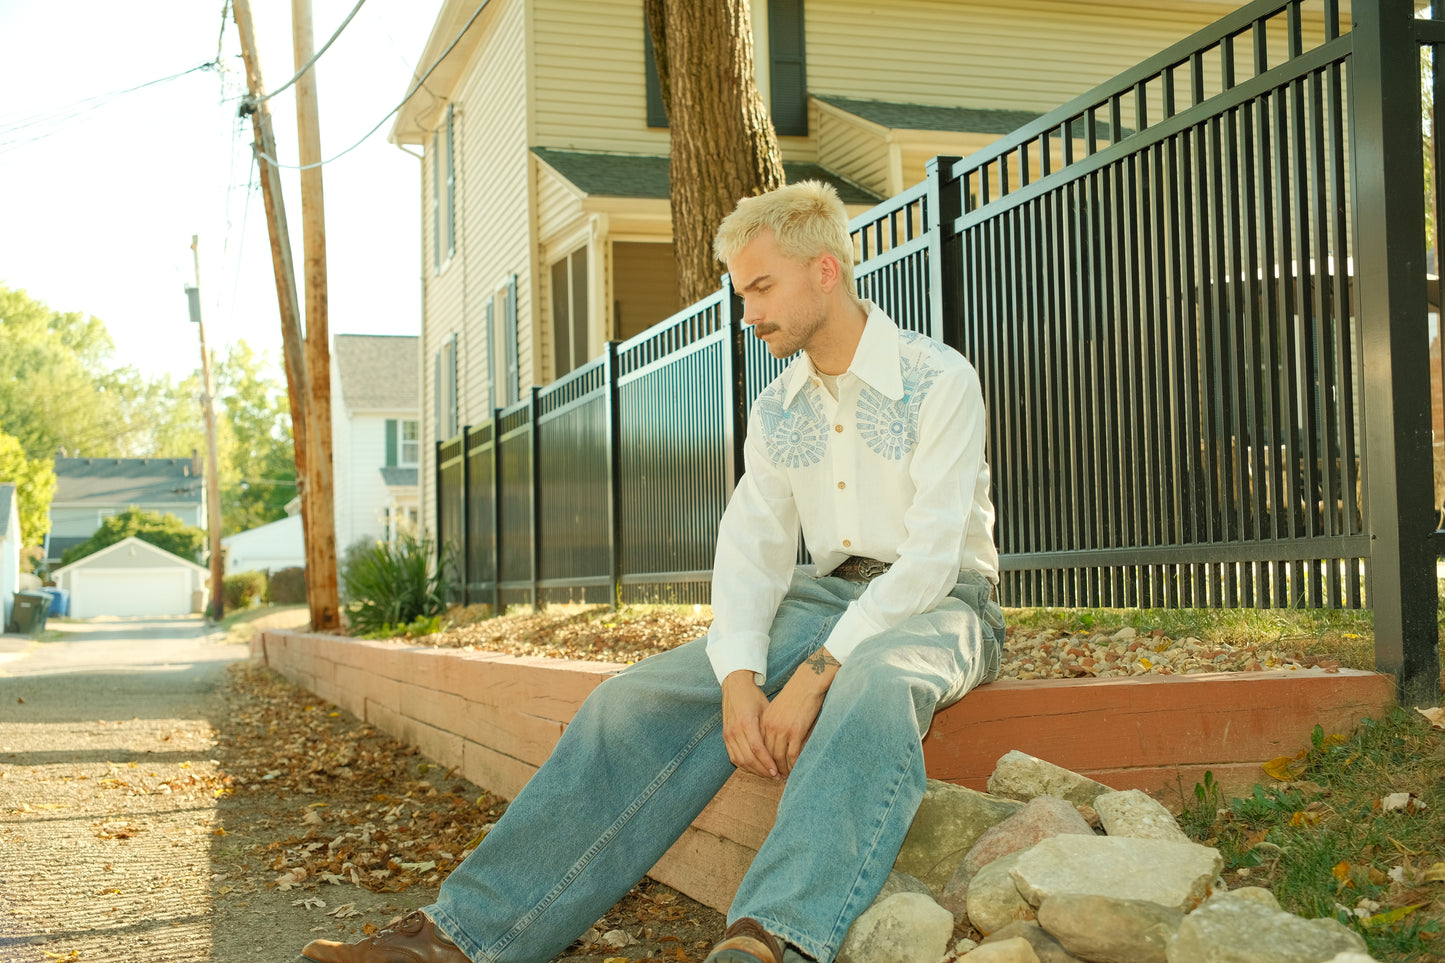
(723, 144)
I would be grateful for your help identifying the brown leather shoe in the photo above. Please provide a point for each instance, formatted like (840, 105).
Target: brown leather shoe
(746, 942)
(411, 939)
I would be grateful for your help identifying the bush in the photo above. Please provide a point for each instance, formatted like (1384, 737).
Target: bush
(287, 586)
(242, 590)
(166, 532)
(395, 585)
(353, 554)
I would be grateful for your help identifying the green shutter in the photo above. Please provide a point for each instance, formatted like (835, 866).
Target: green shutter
(656, 113)
(391, 443)
(787, 53)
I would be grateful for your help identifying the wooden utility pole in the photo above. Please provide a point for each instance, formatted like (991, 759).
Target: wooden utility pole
(213, 473)
(318, 337)
(324, 604)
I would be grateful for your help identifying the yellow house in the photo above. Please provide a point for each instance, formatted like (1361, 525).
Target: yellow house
(546, 228)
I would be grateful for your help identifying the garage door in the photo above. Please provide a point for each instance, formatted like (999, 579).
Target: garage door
(138, 591)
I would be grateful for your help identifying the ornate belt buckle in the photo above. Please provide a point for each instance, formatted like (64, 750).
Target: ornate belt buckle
(870, 568)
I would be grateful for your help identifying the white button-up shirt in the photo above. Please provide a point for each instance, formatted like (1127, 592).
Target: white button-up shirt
(893, 469)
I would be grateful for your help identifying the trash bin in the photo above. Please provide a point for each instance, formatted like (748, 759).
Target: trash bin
(59, 601)
(28, 615)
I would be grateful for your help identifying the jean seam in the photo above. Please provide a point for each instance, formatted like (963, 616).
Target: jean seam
(602, 841)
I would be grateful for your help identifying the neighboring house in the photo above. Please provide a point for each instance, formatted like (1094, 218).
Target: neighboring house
(133, 577)
(9, 551)
(546, 224)
(375, 436)
(89, 490)
(268, 548)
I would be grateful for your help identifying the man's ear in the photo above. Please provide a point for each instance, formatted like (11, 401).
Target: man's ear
(828, 272)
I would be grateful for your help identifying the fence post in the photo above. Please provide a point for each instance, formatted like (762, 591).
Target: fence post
(944, 272)
(496, 512)
(466, 510)
(536, 504)
(614, 479)
(1392, 311)
(440, 504)
(735, 374)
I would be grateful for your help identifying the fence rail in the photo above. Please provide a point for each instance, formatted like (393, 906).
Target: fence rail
(1190, 401)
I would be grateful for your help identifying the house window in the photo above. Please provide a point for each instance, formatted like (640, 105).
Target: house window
(504, 345)
(569, 312)
(788, 87)
(444, 193)
(410, 443)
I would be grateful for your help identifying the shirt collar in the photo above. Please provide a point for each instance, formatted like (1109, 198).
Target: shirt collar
(875, 362)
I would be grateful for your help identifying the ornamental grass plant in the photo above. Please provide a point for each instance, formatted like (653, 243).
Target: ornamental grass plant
(396, 589)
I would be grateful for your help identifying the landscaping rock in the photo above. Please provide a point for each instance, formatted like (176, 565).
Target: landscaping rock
(1106, 930)
(1177, 875)
(949, 821)
(1039, 819)
(1046, 948)
(1016, 950)
(994, 900)
(1137, 814)
(1018, 775)
(904, 928)
(1242, 929)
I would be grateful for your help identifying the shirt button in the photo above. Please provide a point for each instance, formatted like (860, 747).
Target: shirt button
(837, 427)
(842, 485)
(847, 543)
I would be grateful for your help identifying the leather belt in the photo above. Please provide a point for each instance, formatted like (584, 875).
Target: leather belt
(856, 568)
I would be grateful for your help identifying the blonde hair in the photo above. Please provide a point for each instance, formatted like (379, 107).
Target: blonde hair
(806, 218)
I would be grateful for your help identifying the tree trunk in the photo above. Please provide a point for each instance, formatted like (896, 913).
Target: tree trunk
(723, 144)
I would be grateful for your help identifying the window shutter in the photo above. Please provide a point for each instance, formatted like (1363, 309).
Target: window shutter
(787, 54)
(454, 422)
(509, 322)
(491, 354)
(437, 396)
(390, 442)
(436, 205)
(656, 113)
(452, 182)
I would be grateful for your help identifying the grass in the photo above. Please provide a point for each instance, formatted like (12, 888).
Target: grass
(1328, 840)
(241, 625)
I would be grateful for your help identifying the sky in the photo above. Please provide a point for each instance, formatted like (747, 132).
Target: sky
(101, 191)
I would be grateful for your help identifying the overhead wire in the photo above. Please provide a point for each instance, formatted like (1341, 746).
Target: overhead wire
(252, 102)
(314, 57)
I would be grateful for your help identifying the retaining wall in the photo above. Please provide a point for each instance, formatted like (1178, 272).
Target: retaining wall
(497, 717)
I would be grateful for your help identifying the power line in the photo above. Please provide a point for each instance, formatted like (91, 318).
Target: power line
(314, 57)
(251, 103)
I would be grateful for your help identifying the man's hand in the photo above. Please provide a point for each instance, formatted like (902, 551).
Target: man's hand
(743, 705)
(790, 717)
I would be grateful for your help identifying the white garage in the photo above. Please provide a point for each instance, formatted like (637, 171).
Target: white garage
(132, 577)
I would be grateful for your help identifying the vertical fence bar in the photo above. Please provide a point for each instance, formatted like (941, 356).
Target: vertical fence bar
(614, 480)
(497, 532)
(1392, 306)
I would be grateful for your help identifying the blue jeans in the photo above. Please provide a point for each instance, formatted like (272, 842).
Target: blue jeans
(645, 754)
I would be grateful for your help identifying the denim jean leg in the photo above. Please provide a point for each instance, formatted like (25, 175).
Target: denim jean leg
(636, 765)
(851, 798)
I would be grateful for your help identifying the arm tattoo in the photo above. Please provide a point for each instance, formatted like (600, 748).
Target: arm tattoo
(820, 660)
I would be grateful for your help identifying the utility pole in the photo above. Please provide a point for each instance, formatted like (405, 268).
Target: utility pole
(324, 604)
(318, 337)
(213, 481)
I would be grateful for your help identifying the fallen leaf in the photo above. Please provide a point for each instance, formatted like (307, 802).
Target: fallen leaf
(62, 957)
(1305, 818)
(345, 911)
(1436, 715)
(369, 929)
(1401, 802)
(1435, 874)
(1341, 871)
(1285, 768)
(309, 902)
(289, 879)
(1391, 916)
(617, 939)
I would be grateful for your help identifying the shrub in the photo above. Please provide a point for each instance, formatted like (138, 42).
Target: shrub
(241, 590)
(353, 554)
(287, 586)
(166, 531)
(394, 585)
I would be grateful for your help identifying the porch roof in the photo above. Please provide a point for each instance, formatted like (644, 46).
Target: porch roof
(646, 176)
(970, 120)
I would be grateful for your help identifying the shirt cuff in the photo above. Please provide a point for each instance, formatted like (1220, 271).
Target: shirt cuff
(853, 628)
(746, 650)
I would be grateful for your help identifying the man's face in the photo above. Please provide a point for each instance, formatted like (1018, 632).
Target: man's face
(783, 299)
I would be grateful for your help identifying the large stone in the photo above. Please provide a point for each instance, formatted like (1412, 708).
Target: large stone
(1135, 813)
(949, 821)
(904, 928)
(901, 883)
(1106, 930)
(1016, 950)
(1039, 819)
(1231, 929)
(954, 897)
(1018, 775)
(994, 900)
(1177, 875)
(1351, 957)
(1046, 948)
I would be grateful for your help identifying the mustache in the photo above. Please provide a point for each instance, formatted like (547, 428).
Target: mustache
(763, 329)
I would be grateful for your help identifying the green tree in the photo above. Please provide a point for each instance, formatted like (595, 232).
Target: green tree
(34, 480)
(261, 475)
(163, 531)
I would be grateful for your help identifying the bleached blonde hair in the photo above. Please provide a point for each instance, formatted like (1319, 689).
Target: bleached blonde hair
(806, 218)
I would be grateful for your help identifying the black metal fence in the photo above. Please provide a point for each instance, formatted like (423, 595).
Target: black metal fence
(1192, 401)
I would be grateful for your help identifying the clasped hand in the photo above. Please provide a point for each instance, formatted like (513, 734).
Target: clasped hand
(765, 738)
